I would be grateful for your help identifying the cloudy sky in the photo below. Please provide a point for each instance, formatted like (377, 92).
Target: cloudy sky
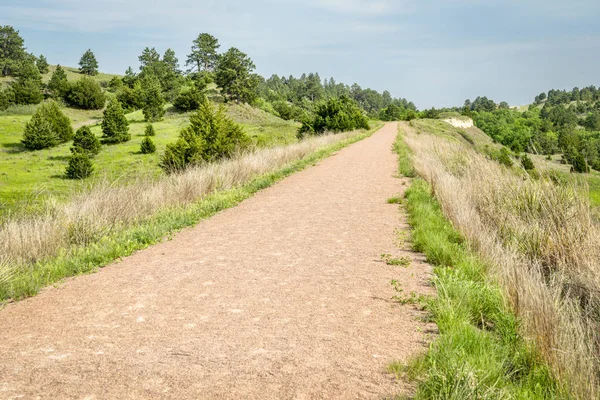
(433, 52)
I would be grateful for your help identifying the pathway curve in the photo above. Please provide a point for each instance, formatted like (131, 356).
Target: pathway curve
(284, 296)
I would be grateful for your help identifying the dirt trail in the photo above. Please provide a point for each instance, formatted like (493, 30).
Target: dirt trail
(284, 296)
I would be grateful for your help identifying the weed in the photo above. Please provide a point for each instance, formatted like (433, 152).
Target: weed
(390, 260)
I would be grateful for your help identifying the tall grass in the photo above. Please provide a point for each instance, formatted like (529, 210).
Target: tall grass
(542, 243)
(110, 220)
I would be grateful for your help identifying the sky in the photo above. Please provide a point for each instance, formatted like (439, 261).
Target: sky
(432, 52)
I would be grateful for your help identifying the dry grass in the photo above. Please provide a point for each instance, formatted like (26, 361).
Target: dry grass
(542, 242)
(108, 207)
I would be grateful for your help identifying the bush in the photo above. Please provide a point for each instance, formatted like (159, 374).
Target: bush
(335, 115)
(115, 84)
(131, 99)
(115, 127)
(212, 135)
(42, 64)
(80, 166)
(85, 142)
(188, 100)
(47, 128)
(580, 165)
(58, 85)
(5, 99)
(150, 130)
(152, 99)
(86, 94)
(527, 163)
(147, 146)
(27, 89)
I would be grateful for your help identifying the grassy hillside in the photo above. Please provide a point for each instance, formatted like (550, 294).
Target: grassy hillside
(72, 75)
(28, 177)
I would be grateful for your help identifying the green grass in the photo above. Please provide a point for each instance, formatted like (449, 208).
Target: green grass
(405, 167)
(27, 178)
(72, 76)
(123, 242)
(479, 353)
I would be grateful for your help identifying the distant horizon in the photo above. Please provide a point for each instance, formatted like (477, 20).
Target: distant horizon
(437, 54)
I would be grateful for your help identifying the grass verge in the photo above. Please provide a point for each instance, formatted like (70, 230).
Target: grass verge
(26, 280)
(479, 353)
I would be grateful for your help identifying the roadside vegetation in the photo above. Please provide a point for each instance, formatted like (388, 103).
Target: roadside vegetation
(518, 244)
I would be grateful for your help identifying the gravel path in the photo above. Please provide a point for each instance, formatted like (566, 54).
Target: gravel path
(284, 296)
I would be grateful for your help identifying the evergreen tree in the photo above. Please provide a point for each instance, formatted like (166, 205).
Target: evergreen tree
(115, 127)
(86, 94)
(149, 131)
(130, 77)
(12, 50)
(579, 164)
(148, 57)
(211, 135)
(85, 142)
(147, 146)
(80, 166)
(527, 163)
(47, 128)
(42, 64)
(204, 55)
(235, 78)
(28, 87)
(88, 64)
(5, 99)
(152, 99)
(58, 85)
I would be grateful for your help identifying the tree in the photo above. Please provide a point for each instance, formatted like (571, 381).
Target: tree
(188, 100)
(6, 99)
(85, 142)
(42, 64)
(152, 99)
(47, 128)
(28, 87)
(149, 131)
(58, 84)
(88, 64)
(80, 166)
(580, 165)
(131, 98)
(235, 78)
(148, 57)
(86, 94)
(115, 127)
(204, 55)
(12, 50)
(147, 146)
(335, 115)
(211, 135)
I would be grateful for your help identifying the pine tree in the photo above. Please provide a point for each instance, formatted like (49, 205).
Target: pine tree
(115, 127)
(28, 87)
(88, 64)
(12, 50)
(47, 128)
(85, 142)
(150, 130)
(86, 94)
(204, 55)
(235, 78)
(80, 166)
(147, 146)
(42, 64)
(152, 99)
(58, 85)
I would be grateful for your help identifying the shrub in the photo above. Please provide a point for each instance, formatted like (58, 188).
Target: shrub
(131, 99)
(80, 166)
(335, 115)
(5, 99)
(42, 64)
(188, 100)
(47, 128)
(147, 146)
(152, 99)
(27, 89)
(85, 142)
(212, 135)
(149, 131)
(115, 84)
(58, 84)
(527, 163)
(115, 127)
(86, 94)
(580, 165)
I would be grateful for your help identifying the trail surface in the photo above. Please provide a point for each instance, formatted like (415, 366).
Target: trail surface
(284, 296)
